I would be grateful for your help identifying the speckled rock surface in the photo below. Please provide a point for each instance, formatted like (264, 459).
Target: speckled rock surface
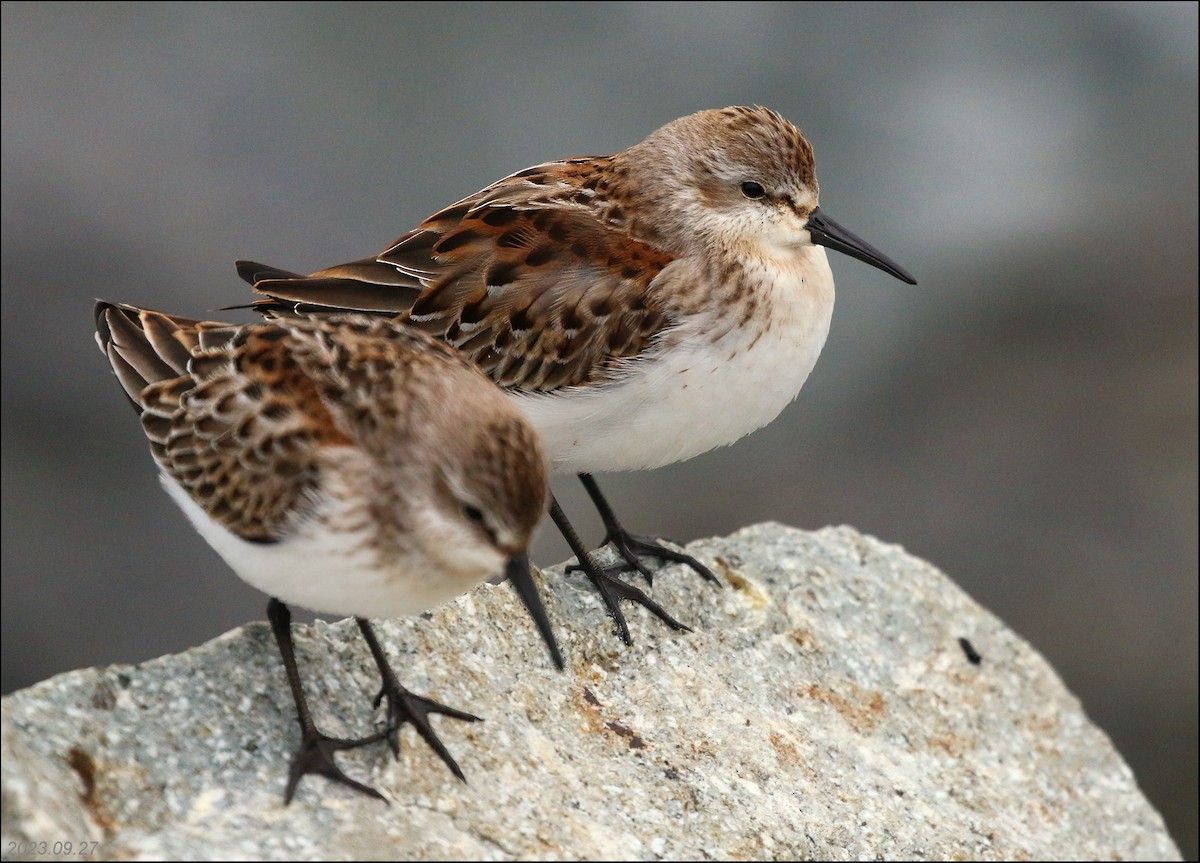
(824, 708)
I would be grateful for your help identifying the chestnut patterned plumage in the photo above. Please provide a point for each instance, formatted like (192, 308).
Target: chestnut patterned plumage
(352, 465)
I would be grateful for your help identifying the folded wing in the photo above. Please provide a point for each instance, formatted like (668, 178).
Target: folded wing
(536, 278)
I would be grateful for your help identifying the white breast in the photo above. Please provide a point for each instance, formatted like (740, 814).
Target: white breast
(698, 394)
(333, 571)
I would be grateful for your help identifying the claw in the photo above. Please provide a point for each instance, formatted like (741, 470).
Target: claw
(612, 590)
(633, 547)
(630, 562)
(315, 755)
(403, 706)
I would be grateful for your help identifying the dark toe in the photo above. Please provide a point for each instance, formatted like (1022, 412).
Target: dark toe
(316, 756)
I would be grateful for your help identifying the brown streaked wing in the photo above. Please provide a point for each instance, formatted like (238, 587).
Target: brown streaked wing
(527, 277)
(239, 429)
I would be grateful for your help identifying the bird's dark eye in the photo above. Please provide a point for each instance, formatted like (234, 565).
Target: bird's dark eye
(753, 190)
(473, 513)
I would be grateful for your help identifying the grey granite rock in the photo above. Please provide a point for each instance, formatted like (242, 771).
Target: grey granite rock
(823, 708)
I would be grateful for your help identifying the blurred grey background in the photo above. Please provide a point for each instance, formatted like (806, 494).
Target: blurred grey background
(1026, 418)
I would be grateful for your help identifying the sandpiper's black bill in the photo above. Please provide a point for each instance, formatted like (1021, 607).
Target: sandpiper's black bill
(828, 233)
(521, 578)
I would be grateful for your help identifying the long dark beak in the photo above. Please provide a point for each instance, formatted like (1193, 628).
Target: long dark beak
(828, 233)
(521, 578)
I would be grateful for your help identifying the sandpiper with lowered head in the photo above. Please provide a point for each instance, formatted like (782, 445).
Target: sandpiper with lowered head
(351, 465)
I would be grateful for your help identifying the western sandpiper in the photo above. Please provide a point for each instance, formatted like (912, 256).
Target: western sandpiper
(351, 465)
(640, 308)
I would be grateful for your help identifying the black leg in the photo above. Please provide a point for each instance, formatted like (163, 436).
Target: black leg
(632, 547)
(612, 590)
(403, 706)
(316, 749)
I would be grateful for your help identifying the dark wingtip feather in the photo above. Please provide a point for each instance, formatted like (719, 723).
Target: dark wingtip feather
(128, 337)
(126, 376)
(160, 333)
(131, 381)
(339, 294)
(252, 272)
(102, 329)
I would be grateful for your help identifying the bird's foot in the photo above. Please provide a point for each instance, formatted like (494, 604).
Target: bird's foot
(404, 706)
(315, 755)
(633, 549)
(613, 591)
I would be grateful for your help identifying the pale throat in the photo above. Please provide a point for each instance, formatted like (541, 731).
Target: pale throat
(791, 286)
